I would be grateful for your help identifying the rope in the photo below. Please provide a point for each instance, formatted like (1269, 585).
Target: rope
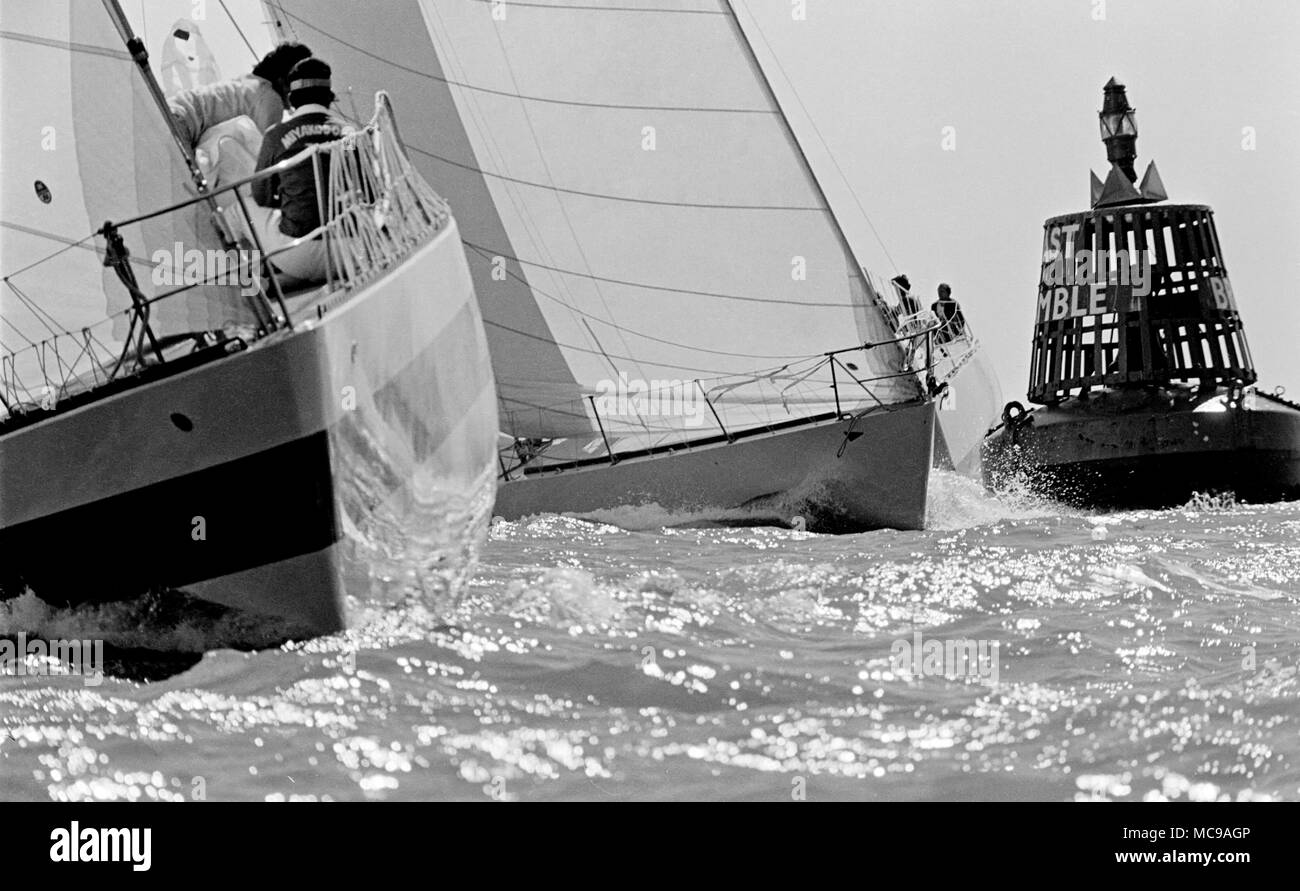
(239, 30)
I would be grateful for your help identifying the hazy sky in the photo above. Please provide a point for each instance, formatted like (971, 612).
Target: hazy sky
(1020, 82)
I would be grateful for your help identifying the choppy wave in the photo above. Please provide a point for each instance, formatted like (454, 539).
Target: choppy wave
(957, 501)
(1146, 655)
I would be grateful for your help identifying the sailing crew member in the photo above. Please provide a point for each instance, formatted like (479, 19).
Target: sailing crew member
(907, 322)
(259, 95)
(948, 311)
(224, 121)
(289, 200)
(908, 305)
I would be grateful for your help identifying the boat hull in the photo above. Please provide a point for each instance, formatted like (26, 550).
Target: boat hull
(877, 479)
(278, 479)
(966, 410)
(1120, 451)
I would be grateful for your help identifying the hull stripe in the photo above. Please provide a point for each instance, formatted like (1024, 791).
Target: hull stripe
(186, 529)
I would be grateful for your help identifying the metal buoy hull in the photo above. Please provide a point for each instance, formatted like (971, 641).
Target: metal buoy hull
(1123, 450)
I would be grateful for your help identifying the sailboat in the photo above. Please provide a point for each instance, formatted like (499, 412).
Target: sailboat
(675, 317)
(172, 418)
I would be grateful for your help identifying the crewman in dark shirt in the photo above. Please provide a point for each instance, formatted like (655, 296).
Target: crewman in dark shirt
(948, 311)
(908, 305)
(293, 209)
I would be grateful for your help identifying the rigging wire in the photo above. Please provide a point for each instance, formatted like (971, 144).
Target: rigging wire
(693, 349)
(238, 29)
(544, 99)
(821, 139)
(564, 211)
(608, 197)
(717, 374)
(281, 21)
(30, 343)
(39, 314)
(523, 211)
(649, 287)
(474, 117)
(67, 246)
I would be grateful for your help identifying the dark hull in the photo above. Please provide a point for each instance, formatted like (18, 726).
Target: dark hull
(147, 537)
(1128, 451)
(1157, 481)
(276, 480)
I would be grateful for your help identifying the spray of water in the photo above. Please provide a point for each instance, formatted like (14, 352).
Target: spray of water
(957, 501)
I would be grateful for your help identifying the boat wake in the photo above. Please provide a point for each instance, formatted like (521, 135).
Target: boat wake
(166, 622)
(653, 516)
(957, 501)
(153, 636)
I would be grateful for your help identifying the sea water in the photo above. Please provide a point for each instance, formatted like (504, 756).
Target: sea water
(1013, 650)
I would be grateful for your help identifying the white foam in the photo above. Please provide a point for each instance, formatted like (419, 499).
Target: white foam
(652, 515)
(132, 623)
(957, 501)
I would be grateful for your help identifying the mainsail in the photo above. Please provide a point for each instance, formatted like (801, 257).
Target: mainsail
(83, 143)
(633, 203)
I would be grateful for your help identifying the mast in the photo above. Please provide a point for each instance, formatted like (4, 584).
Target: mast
(794, 138)
(140, 55)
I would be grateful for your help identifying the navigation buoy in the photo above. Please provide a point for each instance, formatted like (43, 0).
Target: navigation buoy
(1129, 339)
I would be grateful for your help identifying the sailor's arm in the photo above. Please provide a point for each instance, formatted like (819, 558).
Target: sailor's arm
(202, 107)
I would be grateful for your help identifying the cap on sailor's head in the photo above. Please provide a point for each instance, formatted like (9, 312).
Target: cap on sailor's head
(309, 74)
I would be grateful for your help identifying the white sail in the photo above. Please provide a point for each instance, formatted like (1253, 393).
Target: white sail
(83, 143)
(633, 204)
(220, 40)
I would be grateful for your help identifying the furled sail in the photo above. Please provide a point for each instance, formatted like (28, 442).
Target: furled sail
(83, 143)
(634, 206)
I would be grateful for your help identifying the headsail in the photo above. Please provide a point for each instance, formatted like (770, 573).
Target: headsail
(83, 143)
(632, 201)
